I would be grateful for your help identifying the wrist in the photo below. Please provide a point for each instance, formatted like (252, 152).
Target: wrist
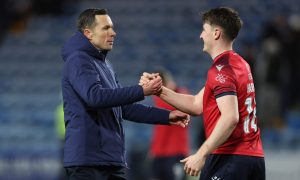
(161, 92)
(143, 89)
(203, 151)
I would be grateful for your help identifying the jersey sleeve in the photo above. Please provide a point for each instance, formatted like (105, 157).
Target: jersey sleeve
(223, 82)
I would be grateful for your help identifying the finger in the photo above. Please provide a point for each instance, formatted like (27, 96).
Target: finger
(188, 171)
(157, 85)
(141, 81)
(193, 173)
(184, 160)
(186, 124)
(178, 124)
(155, 75)
(182, 125)
(197, 173)
(160, 88)
(148, 75)
(185, 167)
(157, 80)
(183, 116)
(188, 118)
(144, 79)
(182, 121)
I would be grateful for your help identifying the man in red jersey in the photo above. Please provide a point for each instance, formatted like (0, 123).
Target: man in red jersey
(233, 148)
(169, 144)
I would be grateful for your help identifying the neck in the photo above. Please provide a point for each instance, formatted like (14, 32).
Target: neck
(219, 49)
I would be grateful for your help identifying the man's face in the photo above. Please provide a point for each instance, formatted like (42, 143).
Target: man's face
(207, 35)
(102, 34)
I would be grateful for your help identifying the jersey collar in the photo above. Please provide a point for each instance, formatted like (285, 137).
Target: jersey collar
(222, 54)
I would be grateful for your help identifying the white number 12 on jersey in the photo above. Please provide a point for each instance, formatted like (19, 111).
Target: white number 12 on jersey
(247, 121)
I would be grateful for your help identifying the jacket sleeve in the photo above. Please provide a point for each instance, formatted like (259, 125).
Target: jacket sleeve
(145, 114)
(85, 80)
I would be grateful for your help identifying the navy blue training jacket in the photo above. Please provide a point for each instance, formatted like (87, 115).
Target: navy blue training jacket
(95, 104)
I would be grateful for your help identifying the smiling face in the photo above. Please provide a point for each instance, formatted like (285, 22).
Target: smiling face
(208, 37)
(101, 35)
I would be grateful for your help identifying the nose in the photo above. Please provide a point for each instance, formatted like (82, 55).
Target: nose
(113, 33)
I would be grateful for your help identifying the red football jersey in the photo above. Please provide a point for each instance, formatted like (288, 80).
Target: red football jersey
(169, 140)
(230, 74)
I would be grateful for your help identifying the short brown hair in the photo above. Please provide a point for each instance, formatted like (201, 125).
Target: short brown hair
(227, 18)
(87, 18)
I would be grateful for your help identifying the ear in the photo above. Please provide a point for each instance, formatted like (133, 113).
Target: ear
(88, 33)
(217, 33)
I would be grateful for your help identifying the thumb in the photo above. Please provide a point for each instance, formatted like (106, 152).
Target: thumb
(183, 116)
(147, 75)
(184, 160)
(155, 74)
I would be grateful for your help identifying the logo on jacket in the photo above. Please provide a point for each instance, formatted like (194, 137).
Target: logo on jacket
(221, 78)
(215, 178)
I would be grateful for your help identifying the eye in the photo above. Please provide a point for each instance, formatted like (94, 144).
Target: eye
(106, 27)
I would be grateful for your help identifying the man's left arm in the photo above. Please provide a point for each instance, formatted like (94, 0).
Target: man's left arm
(228, 106)
(152, 115)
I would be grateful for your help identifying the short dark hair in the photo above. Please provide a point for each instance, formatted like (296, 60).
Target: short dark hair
(87, 18)
(225, 17)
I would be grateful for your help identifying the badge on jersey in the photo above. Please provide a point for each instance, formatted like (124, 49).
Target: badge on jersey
(221, 78)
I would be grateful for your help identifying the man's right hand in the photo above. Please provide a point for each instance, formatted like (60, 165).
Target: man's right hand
(151, 83)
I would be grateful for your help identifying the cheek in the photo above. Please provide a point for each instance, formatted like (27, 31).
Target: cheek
(207, 37)
(101, 39)
(101, 36)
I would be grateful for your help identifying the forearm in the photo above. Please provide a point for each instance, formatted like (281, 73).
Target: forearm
(183, 102)
(219, 135)
(106, 97)
(145, 114)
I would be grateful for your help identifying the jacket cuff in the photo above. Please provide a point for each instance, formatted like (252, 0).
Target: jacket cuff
(163, 116)
(140, 92)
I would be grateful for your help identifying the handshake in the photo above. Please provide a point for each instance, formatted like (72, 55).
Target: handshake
(151, 83)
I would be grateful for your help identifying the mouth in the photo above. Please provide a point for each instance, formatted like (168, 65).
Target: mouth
(110, 42)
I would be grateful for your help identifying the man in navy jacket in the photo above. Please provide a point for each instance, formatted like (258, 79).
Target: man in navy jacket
(95, 104)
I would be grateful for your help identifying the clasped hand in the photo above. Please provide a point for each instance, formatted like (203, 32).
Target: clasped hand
(152, 85)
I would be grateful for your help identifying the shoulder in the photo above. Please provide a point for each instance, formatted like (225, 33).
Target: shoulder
(221, 73)
(221, 67)
(78, 58)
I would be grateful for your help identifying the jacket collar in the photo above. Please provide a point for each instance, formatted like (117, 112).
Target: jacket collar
(78, 42)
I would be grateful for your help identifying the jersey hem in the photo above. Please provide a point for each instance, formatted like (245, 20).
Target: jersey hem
(241, 153)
